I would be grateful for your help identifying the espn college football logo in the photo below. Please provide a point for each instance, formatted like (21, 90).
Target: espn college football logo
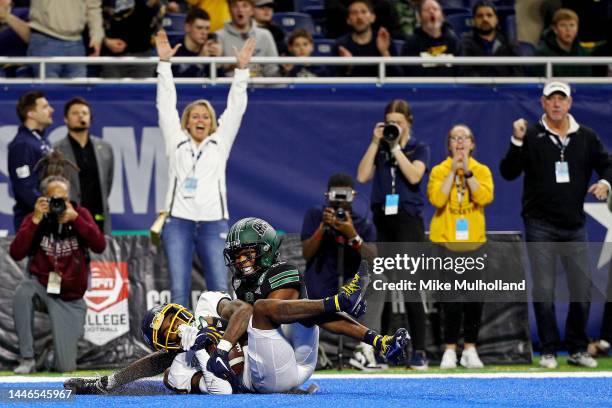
(107, 302)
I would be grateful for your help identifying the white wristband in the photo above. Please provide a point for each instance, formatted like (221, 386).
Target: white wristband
(396, 148)
(224, 345)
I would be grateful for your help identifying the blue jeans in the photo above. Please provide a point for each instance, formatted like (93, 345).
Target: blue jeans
(42, 45)
(181, 238)
(575, 261)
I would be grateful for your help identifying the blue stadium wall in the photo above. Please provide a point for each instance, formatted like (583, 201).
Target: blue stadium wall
(292, 140)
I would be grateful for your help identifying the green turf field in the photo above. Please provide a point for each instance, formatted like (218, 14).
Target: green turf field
(604, 364)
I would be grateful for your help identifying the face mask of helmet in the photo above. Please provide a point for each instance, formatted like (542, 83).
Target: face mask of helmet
(244, 262)
(165, 337)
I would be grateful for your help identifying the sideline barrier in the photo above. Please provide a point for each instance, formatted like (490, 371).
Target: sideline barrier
(131, 276)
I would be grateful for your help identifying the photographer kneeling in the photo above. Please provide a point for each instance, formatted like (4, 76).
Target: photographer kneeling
(57, 237)
(335, 232)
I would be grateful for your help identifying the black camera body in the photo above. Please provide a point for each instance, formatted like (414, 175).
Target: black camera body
(57, 205)
(391, 132)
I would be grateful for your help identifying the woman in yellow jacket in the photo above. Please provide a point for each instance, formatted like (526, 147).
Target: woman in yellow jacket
(460, 187)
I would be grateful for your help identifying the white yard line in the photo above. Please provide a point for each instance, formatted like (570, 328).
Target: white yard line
(561, 374)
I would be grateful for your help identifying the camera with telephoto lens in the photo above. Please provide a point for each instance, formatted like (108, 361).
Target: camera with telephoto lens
(57, 205)
(391, 132)
(340, 214)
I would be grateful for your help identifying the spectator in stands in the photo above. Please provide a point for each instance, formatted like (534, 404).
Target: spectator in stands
(263, 13)
(561, 40)
(234, 34)
(26, 149)
(198, 150)
(57, 237)
(14, 32)
(364, 41)
(56, 30)
(129, 27)
(336, 11)
(398, 164)
(334, 230)
(198, 42)
(92, 185)
(558, 157)
(218, 10)
(459, 188)
(593, 15)
(485, 40)
(14, 22)
(434, 38)
(301, 45)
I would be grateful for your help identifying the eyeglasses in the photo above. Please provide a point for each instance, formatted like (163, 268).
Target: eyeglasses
(460, 138)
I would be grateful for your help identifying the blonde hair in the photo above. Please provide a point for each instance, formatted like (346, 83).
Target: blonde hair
(209, 108)
(564, 14)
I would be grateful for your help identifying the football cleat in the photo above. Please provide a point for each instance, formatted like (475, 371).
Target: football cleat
(87, 386)
(351, 296)
(393, 348)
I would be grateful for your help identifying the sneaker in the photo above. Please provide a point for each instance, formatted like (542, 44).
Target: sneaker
(26, 366)
(364, 358)
(394, 347)
(419, 360)
(582, 359)
(599, 348)
(372, 363)
(470, 358)
(449, 359)
(88, 386)
(548, 361)
(351, 296)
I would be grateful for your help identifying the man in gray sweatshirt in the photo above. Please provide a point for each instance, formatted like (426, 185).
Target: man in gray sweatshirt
(241, 27)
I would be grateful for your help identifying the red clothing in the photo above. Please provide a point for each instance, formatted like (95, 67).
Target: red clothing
(66, 252)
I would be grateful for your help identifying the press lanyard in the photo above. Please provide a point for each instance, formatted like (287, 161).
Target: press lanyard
(56, 253)
(460, 185)
(393, 170)
(562, 145)
(46, 147)
(195, 159)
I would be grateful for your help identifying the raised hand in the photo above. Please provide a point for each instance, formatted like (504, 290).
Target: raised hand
(162, 45)
(383, 41)
(243, 57)
(519, 127)
(343, 52)
(377, 133)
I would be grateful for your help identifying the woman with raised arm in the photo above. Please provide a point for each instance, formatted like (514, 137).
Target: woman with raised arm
(197, 147)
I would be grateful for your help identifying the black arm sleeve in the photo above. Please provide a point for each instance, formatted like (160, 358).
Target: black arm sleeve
(511, 165)
(148, 366)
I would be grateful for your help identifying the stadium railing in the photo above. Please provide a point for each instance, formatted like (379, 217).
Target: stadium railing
(381, 78)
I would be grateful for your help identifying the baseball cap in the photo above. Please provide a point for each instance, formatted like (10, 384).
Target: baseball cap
(261, 3)
(556, 86)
